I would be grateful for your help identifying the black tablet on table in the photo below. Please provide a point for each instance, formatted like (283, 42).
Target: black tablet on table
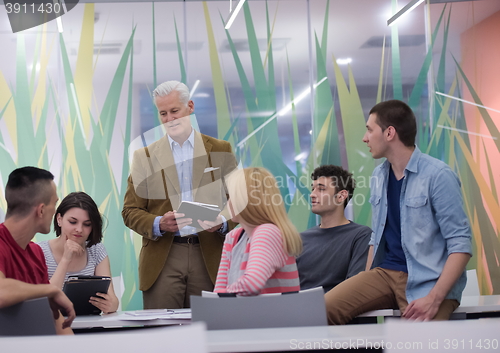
(79, 289)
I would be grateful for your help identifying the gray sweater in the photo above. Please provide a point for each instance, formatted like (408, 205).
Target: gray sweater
(332, 255)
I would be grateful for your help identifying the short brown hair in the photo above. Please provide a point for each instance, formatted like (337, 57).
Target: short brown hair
(342, 178)
(26, 188)
(399, 115)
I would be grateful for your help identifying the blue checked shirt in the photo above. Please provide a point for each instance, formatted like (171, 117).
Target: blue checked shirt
(433, 222)
(183, 158)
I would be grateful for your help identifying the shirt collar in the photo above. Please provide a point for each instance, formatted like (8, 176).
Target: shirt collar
(190, 139)
(412, 165)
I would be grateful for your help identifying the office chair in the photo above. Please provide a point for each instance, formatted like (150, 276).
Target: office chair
(29, 318)
(304, 308)
(472, 286)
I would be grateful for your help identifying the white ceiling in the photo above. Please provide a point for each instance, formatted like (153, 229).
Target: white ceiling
(351, 24)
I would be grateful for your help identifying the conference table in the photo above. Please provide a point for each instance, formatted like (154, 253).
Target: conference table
(182, 336)
(131, 319)
(470, 307)
(241, 340)
(365, 336)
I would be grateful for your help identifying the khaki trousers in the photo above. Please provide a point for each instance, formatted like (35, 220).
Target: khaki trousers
(376, 289)
(183, 275)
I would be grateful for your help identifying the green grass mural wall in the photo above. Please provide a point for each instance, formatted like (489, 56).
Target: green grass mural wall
(33, 105)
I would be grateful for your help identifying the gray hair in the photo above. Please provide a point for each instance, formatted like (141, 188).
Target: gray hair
(168, 87)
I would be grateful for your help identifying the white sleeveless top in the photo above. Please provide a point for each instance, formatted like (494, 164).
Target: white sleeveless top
(95, 254)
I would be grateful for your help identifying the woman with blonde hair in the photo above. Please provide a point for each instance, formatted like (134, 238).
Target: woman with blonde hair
(259, 256)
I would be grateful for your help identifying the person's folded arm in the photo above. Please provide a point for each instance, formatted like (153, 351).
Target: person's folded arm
(59, 275)
(71, 248)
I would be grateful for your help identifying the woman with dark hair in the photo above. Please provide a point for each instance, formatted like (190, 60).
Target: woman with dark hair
(78, 250)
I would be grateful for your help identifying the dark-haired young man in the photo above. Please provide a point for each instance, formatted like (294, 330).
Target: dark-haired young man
(31, 199)
(337, 248)
(421, 239)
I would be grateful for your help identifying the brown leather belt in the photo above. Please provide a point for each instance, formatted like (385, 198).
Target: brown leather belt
(186, 240)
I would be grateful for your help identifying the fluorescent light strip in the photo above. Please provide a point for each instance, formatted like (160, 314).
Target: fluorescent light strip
(288, 107)
(63, 4)
(344, 61)
(466, 132)
(468, 102)
(300, 156)
(407, 9)
(280, 113)
(59, 24)
(242, 142)
(301, 96)
(58, 18)
(195, 86)
(233, 14)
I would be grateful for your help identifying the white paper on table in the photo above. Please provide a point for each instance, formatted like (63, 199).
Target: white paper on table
(155, 314)
(150, 312)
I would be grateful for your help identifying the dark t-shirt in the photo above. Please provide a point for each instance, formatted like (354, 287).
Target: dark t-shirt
(26, 265)
(332, 255)
(395, 258)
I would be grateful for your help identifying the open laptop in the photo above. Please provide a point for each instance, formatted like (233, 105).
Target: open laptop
(305, 308)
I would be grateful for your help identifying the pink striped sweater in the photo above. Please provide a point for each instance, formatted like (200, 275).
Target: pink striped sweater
(265, 266)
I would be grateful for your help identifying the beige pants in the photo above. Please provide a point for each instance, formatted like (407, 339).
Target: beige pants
(183, 275)
(373, 290)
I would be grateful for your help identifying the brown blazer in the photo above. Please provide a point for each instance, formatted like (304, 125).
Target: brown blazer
(153, 189)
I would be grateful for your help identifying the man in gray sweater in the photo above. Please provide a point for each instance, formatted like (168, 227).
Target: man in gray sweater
(337, 248)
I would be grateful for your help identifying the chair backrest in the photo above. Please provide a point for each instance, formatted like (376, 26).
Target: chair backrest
(29, 318)
(305, 308)
(472, 286)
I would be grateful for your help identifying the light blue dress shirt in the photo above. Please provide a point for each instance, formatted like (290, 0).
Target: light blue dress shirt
(433, 222)
(183, 159)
